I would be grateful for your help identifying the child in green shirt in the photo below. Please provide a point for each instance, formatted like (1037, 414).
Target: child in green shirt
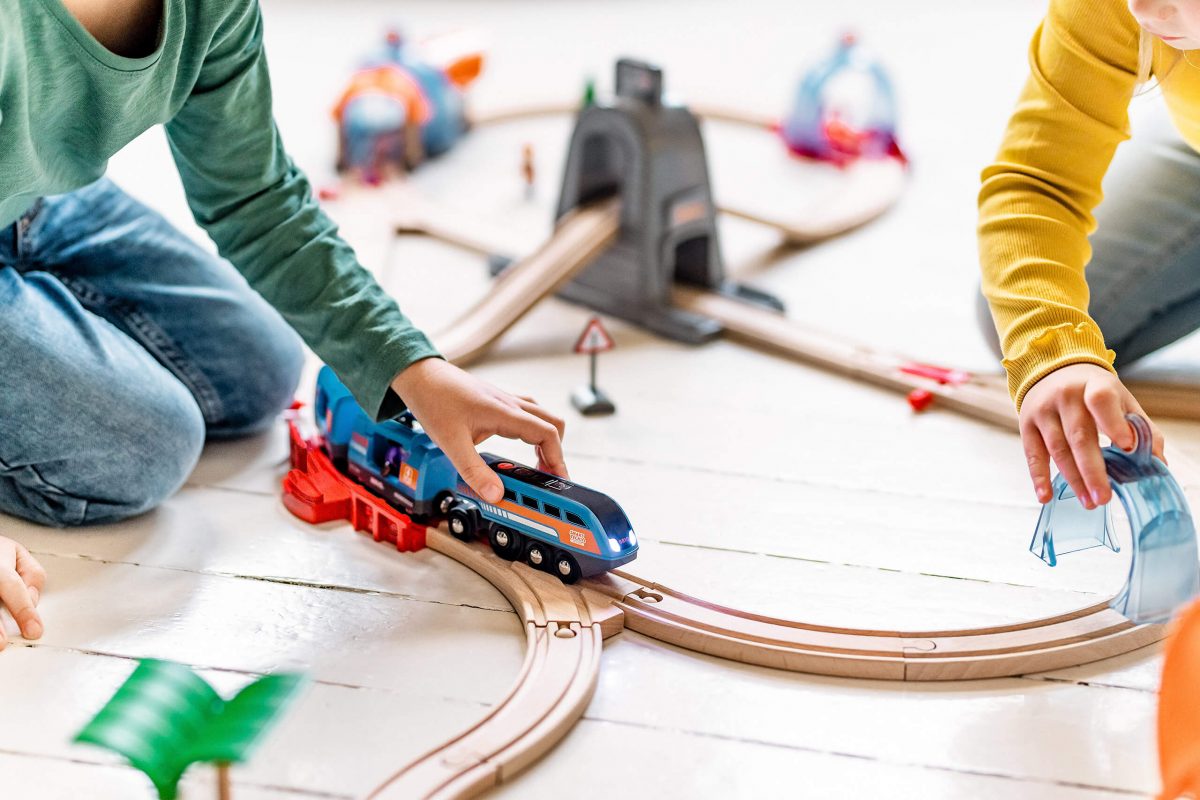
(126, 345)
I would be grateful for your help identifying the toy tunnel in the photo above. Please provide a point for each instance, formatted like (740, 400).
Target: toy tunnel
(651, 154)
(1164, 571)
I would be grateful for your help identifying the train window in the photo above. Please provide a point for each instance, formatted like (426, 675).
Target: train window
(509, 494)
(529, 501)
(574, 519)
(551, 510)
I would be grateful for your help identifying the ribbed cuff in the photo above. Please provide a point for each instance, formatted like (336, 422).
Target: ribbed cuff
(1057, 347)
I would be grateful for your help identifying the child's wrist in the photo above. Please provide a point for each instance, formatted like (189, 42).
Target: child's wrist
(410, 379)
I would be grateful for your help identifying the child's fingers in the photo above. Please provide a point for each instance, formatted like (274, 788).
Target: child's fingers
(1080, 429)
(530, 405)
(477, 474)
(30, 570)
(540, 434)
(1060, 451)
(1157, 442)
(1108, 410)
(1038, 460)
(15, 596)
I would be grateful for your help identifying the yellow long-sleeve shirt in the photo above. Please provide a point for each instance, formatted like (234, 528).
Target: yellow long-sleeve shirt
(1036, 203)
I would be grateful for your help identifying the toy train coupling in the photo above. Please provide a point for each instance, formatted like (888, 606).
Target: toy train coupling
(1164, 571)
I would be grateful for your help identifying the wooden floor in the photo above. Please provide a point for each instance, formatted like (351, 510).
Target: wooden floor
(751, 480)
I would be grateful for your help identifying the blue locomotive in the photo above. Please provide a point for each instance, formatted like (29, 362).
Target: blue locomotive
(550, 523)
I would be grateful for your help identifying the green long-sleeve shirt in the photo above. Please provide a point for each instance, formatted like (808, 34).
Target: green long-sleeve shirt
(67, 104)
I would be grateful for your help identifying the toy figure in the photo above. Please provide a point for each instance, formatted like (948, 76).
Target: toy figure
(398, 109)
(845, 109)
(528, 169)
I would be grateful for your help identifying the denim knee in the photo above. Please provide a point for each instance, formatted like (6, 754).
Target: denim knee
(114, 475)
(149, 470)
(262, 385)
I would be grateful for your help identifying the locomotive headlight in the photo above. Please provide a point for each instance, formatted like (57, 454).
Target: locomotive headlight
(632, 538)
(614, 545)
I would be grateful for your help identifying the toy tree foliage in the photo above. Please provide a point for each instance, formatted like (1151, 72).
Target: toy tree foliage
(166, 717)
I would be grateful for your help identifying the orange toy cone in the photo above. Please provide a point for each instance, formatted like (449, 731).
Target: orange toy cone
(1179, 710)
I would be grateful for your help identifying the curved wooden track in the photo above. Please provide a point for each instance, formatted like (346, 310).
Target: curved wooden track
(865, 190)
(564, 636)
(662, 613)
(565, 626)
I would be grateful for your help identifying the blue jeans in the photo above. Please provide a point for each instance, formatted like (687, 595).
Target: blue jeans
(1144, 276)
(123, 346)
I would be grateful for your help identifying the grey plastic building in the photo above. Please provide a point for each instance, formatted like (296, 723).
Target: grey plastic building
(652, 155)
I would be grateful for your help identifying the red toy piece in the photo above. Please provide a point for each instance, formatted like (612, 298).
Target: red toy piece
(315, 491)
(943, 375)
(920, 399)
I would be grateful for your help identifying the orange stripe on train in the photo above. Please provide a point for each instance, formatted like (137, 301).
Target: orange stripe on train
(563, 529)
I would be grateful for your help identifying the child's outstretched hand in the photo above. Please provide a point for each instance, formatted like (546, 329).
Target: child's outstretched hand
(459, 411)
(1061, 418)
(22, 580)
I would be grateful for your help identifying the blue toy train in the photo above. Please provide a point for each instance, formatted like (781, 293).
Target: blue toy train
(550, 523)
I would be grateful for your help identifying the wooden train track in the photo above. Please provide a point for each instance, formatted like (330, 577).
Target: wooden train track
(566, 626)
(866, 189)
(564, 634)
(579, 238)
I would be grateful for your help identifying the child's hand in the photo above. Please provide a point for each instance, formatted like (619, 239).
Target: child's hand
(459, 411)
(22, 580)
(1060, 418)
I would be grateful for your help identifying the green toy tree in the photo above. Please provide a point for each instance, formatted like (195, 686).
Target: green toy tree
(165, 717)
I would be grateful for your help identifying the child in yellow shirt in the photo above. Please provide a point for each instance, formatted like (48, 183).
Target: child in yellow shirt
(1036, 205)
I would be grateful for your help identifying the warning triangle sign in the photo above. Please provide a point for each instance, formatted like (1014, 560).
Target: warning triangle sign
(594, 338)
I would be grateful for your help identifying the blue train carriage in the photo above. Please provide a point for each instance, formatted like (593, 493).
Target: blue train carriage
(397, 460)
(552, 524)
(336, 411)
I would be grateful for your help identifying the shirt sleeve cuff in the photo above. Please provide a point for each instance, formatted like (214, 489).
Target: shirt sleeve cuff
(1057, 347)
(370, 380)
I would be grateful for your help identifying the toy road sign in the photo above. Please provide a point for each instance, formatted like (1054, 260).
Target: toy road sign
(594, 339)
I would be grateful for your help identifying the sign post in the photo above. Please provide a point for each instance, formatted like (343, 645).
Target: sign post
(589, 399)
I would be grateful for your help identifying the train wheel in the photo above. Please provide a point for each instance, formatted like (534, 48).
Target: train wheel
(462, 524)
(566, 567)
(506, 543)
(538, 555)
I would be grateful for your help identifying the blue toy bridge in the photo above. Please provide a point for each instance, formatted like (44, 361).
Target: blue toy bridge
(1164, 572)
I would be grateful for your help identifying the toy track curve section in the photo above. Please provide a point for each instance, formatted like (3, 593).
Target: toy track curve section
(564, 637)
(867, 189)
(579, 238)
(1089, 634)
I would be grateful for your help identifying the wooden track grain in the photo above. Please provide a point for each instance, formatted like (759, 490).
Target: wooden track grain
(579, 238)
(564, 635)
(565, 626)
